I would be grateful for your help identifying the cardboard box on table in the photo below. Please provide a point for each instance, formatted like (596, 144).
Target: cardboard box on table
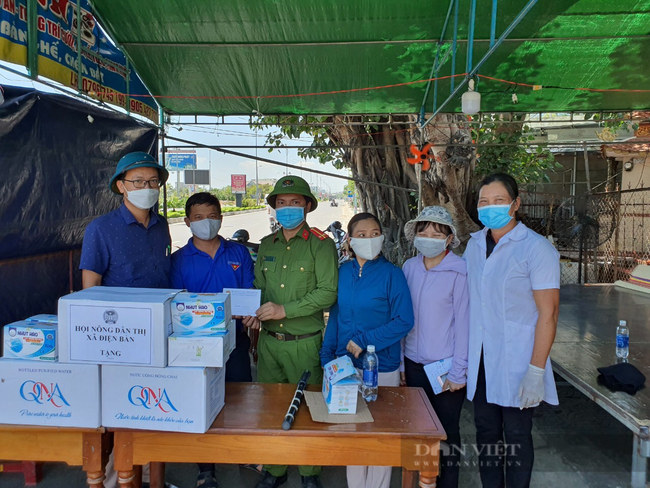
(201, 312)
(49, 394)
(340, 386)
(197, 349)
(28, 340)
(170, 399)
(113, 325)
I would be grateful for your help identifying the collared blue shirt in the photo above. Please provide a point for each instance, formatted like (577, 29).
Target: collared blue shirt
(126, 253)
(197, 272)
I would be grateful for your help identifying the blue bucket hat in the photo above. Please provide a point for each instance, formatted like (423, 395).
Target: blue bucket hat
(136, 160)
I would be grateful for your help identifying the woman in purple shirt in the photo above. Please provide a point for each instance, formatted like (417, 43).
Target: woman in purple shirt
(437, 279)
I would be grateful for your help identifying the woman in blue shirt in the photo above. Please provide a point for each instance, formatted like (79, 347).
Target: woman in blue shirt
(373, 308)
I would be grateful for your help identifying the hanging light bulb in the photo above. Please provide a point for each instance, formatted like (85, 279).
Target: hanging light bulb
(471, 100)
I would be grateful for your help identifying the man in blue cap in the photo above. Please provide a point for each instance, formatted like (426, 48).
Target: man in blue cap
(130, 246)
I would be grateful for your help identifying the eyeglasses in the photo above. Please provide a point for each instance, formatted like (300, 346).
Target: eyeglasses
(139, 184)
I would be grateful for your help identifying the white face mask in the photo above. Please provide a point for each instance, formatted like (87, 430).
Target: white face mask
(206, 229)
(143, 199)
(430, 247)
(367, 248)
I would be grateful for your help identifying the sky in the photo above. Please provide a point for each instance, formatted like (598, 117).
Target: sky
(223, 165)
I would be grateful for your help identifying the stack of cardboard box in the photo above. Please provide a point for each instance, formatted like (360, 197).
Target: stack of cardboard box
(156, 356)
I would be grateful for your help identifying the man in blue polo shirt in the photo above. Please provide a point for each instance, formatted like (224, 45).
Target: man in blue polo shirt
(130, 246)
(208, 263)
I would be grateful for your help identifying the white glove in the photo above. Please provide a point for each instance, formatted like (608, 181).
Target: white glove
(531, 389)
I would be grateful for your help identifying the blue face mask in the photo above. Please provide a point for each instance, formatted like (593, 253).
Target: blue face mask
(290, 217)
(495, 216)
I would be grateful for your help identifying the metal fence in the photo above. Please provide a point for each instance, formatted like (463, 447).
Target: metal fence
(601, 237)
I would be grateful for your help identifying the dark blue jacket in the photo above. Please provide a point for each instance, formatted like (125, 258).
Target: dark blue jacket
(374, 308)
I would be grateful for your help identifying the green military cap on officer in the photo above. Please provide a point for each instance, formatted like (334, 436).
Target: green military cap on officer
(292, 185)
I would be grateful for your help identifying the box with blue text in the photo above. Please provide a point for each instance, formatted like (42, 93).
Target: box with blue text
(44, 318)
(169, 399)
(201, 312)
(61, 395)
(340, 386)
(29, 340)
(113, 325)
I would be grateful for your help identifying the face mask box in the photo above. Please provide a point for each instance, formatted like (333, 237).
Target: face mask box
(30, 340)
(44, 318)
(200, 349)
(170, 399)
(340, 386)
(59, 395)
(201, 312)
(113, 325)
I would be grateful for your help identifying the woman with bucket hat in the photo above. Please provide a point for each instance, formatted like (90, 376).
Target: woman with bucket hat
(437, 279)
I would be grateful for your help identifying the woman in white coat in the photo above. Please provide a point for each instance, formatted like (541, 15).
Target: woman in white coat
(514, 281)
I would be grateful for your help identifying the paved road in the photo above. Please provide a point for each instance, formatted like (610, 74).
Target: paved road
(257, 223)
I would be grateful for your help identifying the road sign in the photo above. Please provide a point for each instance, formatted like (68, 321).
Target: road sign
(180, 161)
(197, 177)
(238, 184)
(349, 194)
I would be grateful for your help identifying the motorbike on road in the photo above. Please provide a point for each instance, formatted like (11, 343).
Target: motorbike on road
(340, 239)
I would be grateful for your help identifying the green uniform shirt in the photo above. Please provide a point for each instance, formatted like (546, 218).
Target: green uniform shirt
(302, 275)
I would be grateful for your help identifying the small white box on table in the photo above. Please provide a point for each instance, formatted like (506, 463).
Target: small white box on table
(199, 349)
(170, 399)
(340, 386)
(113, 325)
(49, 394)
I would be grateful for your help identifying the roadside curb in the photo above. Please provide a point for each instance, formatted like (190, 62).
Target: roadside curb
(177, 220)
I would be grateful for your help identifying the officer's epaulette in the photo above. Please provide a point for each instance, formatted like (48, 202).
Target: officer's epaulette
(318, 233)
(269, 236)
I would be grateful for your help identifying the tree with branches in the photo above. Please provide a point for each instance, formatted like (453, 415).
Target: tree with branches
(376, 151)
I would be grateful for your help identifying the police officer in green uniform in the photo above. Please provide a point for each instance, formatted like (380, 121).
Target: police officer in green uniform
(297, 271)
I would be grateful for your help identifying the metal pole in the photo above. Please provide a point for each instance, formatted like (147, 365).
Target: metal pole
(483, 60)
(79, 71)
(161, 118)
(435, 67)
(588, 176)
(128, 88)
(470, 35)
(454, 45)
(493, 26)
(419, 188)
(32, 38)
(574, 175)
(257, 181)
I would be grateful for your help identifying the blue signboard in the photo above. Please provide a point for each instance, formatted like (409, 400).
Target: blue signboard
(180, 161)
(105, 74)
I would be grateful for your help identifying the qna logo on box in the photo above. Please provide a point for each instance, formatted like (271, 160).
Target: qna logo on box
(35, 391)
(143, 396)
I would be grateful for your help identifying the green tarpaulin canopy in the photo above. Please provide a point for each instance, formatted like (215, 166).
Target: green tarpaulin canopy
(237, 56)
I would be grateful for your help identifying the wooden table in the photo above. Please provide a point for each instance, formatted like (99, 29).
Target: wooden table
(586, 340)
(89, 448)
(406, 432)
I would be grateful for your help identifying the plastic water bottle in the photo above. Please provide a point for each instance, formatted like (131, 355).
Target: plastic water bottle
(370, 374)
(622, 340)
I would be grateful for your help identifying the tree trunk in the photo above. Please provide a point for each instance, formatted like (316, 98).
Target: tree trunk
(446, 183)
